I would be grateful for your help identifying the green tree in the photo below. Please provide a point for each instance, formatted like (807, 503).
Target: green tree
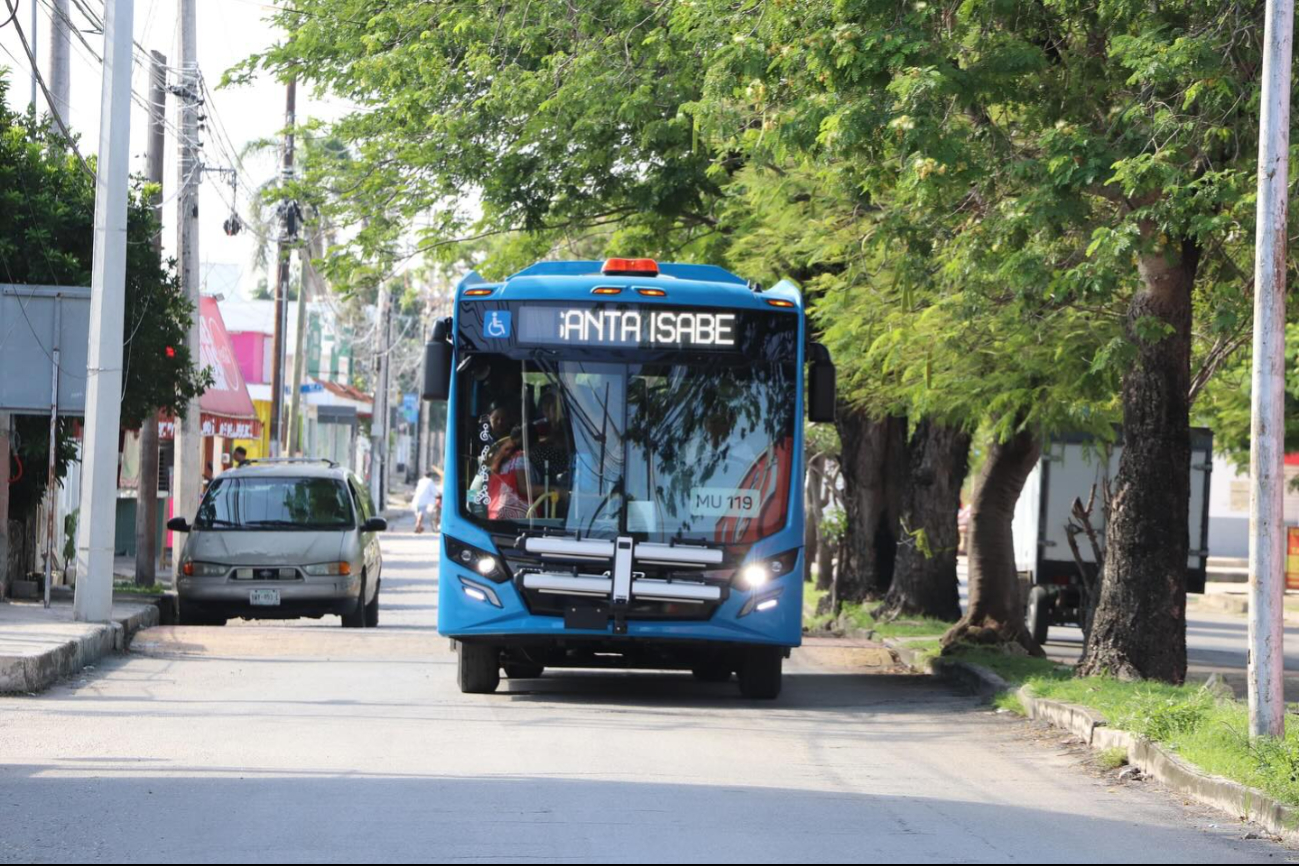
(1053, 156)
(553, 116)
(47, 201)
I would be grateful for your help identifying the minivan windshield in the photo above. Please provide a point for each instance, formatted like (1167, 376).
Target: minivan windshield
(281, 503)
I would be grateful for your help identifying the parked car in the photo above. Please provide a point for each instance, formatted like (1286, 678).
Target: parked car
(279, 539)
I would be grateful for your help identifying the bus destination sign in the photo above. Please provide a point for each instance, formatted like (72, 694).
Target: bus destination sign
(627, 327)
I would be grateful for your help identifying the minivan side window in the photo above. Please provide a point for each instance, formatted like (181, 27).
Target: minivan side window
(364, 503)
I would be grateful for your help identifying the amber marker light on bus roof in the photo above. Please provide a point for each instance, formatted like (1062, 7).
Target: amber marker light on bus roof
(776, 303)
(606, 290)
(653, 293)
(477, 293)
(630, 268)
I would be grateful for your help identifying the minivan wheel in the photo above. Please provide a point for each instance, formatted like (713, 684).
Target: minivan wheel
(189, 614)
(372, 609)
(478, 668)
(356, 617)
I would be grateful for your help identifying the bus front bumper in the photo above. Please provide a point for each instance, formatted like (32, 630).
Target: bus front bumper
(470, 608)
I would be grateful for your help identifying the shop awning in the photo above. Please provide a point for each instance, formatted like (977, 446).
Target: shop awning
(226, 409)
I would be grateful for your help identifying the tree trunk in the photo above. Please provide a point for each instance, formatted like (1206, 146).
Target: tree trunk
(812, 505)
(996, 610)
(1139, 631)
(924, 580)
(824, 564)
(873, 454)
(146, 505)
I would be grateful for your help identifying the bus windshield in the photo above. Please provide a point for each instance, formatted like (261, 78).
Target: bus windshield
(659, 450)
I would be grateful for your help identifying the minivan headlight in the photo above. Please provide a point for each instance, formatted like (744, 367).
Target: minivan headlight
(328, 569)
(204, 569)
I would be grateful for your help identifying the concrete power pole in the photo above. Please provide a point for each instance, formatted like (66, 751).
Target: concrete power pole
(1267, 543)
(287, 232)
(189, 431)
(379, 420)
(146, 505)
(60, 58)
(306, 281)
(35, 54)
(95, 529)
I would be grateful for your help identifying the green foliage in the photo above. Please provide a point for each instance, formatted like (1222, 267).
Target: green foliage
(47, 204)
(1113, 758)
(559, 116)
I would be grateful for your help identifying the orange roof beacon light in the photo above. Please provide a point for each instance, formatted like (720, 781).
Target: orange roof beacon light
(606, 290)
(630, 268)
(775, 302)
(653, 293)
(477, 293)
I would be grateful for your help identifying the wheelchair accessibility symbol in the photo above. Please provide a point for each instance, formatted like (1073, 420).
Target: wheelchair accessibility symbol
(497, 325)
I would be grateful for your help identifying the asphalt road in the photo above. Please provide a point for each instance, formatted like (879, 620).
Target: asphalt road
(305, 742)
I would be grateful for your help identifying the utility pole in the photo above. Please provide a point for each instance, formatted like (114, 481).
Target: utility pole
(35, 54)
(1267, 543)
(146, 504)
(60, 58)
(4, 505)
(287, 233)
(379, 420)
(305, 281)
(95, 529)
(189, 430)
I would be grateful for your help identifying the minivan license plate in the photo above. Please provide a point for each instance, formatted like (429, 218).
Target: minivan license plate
(264, 597)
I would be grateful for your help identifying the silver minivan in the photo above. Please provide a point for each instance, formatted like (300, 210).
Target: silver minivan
(278, 539)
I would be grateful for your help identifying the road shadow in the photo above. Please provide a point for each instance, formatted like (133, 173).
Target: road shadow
(238, 814)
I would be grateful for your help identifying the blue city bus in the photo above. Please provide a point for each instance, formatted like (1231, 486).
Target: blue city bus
(624, 471)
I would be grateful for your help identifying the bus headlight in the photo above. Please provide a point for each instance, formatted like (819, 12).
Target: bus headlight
(762, 572)
(483, 563)
(755, 575)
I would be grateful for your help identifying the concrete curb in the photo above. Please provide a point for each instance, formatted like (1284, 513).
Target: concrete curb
(975, 678)
(1154, 760)
(34, 673)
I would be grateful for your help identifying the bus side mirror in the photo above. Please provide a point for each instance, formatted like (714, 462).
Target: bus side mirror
(437, 362)
(821, 397)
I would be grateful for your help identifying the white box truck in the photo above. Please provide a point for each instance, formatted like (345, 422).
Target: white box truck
(1069, 466)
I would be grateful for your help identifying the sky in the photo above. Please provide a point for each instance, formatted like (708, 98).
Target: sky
(228, 31)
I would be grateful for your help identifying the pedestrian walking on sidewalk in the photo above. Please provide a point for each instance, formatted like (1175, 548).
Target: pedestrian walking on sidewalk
(427, 494)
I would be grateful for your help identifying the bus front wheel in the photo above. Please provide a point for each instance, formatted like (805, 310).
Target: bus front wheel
(760, 673)
(478, 668)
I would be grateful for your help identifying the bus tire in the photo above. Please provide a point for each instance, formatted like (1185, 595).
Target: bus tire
(1039, 613)
(760, 673)
(478, 668)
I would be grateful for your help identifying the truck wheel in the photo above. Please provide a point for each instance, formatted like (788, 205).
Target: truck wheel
(1039, 613)
(523, 670)
(760, 673)
(478, 668)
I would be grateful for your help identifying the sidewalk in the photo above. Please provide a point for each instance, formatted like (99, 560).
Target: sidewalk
(39, 646)
(1233, 598)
